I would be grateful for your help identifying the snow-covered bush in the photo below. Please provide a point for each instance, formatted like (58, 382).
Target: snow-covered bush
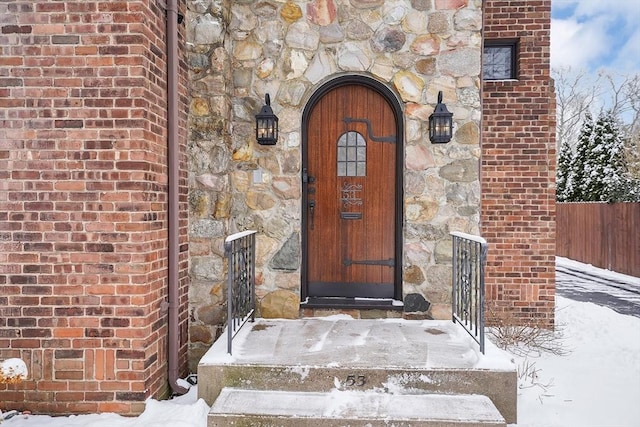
(13, 371)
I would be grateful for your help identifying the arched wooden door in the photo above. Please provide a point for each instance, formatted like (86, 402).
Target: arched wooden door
(350, 203)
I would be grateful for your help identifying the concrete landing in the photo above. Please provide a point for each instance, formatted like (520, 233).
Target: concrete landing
(350, 408)
(338, 353)
(343, 341)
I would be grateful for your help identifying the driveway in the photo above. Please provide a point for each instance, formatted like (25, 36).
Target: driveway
(582, 282)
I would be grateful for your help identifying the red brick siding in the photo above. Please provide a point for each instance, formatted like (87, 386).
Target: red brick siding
(83, 202)
(518, 167)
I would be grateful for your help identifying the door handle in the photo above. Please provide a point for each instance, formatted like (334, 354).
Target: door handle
(312, 212)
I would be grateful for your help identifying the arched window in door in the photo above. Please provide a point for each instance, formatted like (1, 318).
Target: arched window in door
(352, 154)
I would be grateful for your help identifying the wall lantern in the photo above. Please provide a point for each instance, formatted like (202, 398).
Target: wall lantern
(440, 123)
(266, 124)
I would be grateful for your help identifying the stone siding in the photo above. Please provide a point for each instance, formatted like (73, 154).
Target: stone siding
(241, 50)
(518, 169)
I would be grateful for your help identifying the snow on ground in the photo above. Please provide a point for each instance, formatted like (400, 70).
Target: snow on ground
(183, 411)
(596, 384)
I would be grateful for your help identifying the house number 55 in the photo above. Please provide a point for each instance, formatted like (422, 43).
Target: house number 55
(356, 381)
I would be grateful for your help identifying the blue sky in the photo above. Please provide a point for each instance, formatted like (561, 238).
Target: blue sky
(596, 34)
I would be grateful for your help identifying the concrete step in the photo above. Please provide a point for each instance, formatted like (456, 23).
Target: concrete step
(499, 386)
(261, 408)
(396, 357)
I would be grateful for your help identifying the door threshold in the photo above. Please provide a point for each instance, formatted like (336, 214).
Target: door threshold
(353, 303)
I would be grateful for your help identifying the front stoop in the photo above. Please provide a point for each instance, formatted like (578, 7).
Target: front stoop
(386, 362)
(257, 408)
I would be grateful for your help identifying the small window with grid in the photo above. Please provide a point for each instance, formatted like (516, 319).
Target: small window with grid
(499, 60)
(352, 154)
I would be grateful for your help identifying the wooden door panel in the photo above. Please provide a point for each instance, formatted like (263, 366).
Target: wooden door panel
(351, 226)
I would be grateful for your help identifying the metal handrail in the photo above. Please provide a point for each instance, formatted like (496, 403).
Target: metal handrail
(240, 250)
(467, 298)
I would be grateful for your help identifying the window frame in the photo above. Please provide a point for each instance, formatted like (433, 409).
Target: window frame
(512, 44)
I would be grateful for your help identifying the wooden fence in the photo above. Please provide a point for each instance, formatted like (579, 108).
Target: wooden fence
(604, 235)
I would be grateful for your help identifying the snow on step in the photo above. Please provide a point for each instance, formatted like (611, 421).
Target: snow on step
(285, 408)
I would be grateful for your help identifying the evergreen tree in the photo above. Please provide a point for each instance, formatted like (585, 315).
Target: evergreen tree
(580, 160)
(598, 170)
(595, 163)
(631, 138)
(608, 156)
(614, 180)
(565, 174)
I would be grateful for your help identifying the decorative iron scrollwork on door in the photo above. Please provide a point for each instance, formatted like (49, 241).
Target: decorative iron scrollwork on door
(372, 137)
(351, 195)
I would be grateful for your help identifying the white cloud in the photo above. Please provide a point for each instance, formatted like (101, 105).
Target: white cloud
(628, 58)
(592, 8)
(604, 7)
(596, 34)
(575, 44)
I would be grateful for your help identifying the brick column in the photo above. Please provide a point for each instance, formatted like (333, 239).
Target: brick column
(518, 169)
(83, 202)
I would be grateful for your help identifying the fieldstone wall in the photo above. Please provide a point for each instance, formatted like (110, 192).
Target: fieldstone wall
(240, 50)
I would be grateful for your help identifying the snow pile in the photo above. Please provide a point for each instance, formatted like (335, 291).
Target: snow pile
(174, 414)
(183, 411)
(13, 371)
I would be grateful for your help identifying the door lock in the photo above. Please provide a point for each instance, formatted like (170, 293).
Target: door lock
(306, 178)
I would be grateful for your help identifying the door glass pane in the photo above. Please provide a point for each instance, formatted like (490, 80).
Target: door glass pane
(342, 154)
(352, 154)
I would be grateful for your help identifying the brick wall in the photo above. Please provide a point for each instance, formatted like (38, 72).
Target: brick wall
(83, 202)
(518, 168)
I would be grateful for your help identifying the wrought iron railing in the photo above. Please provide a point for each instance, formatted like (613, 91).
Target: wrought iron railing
(467, 299)
(240, 250)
